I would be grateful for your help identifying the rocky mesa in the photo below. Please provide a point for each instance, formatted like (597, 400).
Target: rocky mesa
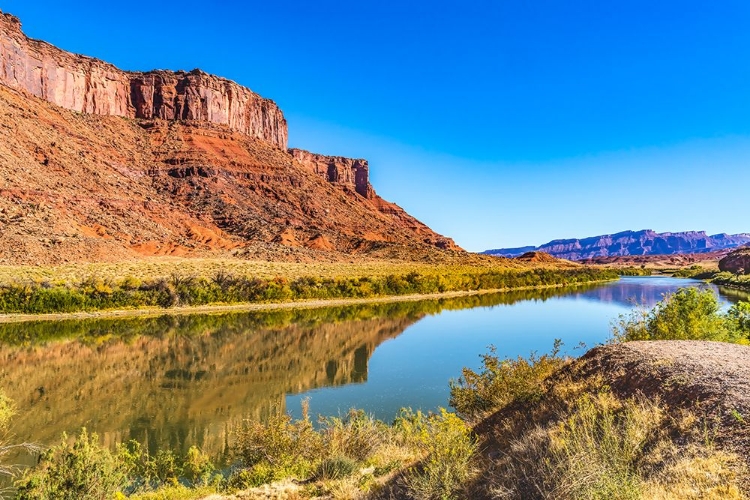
(88, 85)
(102, 164)
(625, 243)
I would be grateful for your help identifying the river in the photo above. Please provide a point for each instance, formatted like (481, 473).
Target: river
(177, 381)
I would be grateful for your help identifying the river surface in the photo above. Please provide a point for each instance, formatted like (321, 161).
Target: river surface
(177, 381)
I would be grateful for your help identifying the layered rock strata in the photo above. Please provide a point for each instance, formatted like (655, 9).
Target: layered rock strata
(345, 172)
(88, 85)
(202, 169)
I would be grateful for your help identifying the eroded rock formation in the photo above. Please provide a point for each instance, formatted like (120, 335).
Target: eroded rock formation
(349, 173)
(201, 168)
(737, 262)
(88, 85)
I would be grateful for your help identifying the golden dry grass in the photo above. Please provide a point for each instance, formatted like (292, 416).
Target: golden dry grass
(161, 267)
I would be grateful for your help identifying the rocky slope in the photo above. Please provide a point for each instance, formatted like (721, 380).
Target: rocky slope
(710, 380)
(101, 164)
(737, 262)
(645, 242)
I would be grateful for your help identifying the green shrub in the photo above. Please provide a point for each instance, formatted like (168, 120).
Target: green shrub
(449, 447)
(502, 381)
(197, 467)
(83, 470)
(290, 447)
(687, 314)
(335, 468)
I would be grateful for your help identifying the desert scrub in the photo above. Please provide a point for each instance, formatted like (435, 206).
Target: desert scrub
(356, 449)
(82, 469)
(687, 314)
(449, 447)
(605, 447)
(79, 471)
(503, 381)
(276, 449)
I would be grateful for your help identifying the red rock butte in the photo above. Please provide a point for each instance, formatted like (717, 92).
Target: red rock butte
(171, 163)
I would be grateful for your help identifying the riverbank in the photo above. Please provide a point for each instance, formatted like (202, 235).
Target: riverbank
(250, 307)
(190, 292)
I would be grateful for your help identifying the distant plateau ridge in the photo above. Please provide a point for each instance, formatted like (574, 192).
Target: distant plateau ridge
(644, 242)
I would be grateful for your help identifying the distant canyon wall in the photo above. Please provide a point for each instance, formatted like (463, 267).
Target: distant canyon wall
(88, 85)
(644, 242)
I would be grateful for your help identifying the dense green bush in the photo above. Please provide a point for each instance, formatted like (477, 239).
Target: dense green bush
(503, 381)
(687, 314)
(79, 471)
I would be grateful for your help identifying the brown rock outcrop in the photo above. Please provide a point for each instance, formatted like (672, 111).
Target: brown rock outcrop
(346, 172)
(737, 262)
(88, 85)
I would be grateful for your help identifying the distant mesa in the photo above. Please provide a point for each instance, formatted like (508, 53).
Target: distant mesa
(539, 257)
(645, 242)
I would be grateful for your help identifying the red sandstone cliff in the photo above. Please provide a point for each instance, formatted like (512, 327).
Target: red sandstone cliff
(201, 169)
(88, 85)
(348, 173)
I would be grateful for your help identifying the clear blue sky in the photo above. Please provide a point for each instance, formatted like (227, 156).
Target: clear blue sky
(498, 123)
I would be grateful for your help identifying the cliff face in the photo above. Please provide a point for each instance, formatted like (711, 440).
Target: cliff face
(202, 169)
(88, 85)
(645, 242)
(345, 172)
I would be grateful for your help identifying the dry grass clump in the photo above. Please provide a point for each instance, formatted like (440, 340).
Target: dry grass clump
(354, 456)
(607, 447)
(580, 441)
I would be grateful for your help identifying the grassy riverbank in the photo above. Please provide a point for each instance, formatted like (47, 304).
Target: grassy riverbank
(97, 293)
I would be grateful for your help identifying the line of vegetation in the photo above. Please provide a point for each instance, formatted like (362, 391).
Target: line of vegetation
(94, 294)
(722, 278)
(341, 458)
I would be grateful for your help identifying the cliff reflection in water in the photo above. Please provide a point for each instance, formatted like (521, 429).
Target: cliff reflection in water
(177, 381)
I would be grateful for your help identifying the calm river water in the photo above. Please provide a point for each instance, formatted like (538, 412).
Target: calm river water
(179, 381)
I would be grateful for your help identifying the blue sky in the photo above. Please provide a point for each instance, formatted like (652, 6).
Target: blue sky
(498, 123)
